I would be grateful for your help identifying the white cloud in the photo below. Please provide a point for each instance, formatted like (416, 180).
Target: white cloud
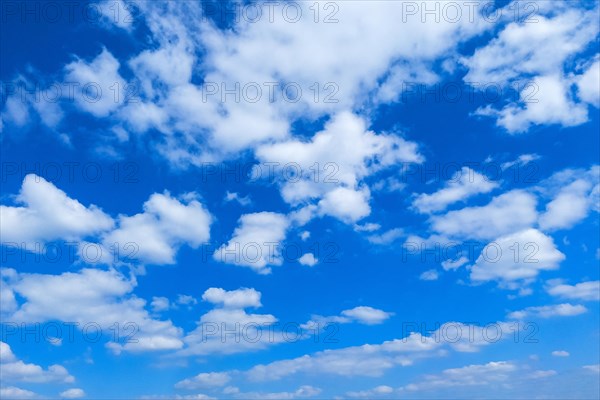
(18, 107)
(547, 101)
(368, 227)
(304, 391)
(11, 392)
(536, 53)
(233, 196)
(228, 328)
(592, 368)
(482, 374)
(266, 58)
(92, 296)
(516, 259)
(239, 298)
(558, 310)
(15, 370)
(367, 315)
(454, 264)
(308, 259)
(256, 242)
(47, 213)
(581, 291)
(571, 205)
(159, 304)
(507, 213)
(204, 380)
(588, 84)
(332, 165)
(429, 275)
(100, 89)
(346, 204)
(464, 184)
(166, 223)
(374, 360)
(386, 237)
(74, 393)
(521, 161)
(186, 300)
(560, 353)
(362, 314)
(376, 391)
(304, 235)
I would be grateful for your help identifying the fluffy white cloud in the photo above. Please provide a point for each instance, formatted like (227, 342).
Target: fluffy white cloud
(74, 393)
(367, 315)
(266, 58)
(256, 242)
(536, 53)
(239, 298)
(92, 296)
(155, 235)
(204, 380)
(588, 84)
(302, 392)
(558, 310)
(581, 291)
(464, 184)
(429, 275)
(454, 264)
(19, 108)
(47, 213)
(11, 392)
(507, 213)
(376, 391)
(574, 199)
(346, 204)
(482, 374)
(242, 200)
(15, 370)
(516, 259)
(522, 160)
(362, 314)
(375, 359)
(159, 304)
(332, 165)
(386, 237)
(100, 88)
(308, 259)
(228, 328)
(560, 353)
(546, 100)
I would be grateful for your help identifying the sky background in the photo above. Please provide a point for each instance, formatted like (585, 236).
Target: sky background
(336, 199)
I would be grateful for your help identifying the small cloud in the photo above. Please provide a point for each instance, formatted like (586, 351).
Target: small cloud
(367, 315)
(233, 196)
(368, 227)
(55, 341)
(542, 374)
(595, 368)
(159, 304)
(431, 275)
(387, 237)
(186, 300)
(304, 235)
(560, 353)
(454, 264)
(74, 393)
(308, 259)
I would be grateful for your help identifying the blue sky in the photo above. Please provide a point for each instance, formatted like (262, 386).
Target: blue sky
(300, 200)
